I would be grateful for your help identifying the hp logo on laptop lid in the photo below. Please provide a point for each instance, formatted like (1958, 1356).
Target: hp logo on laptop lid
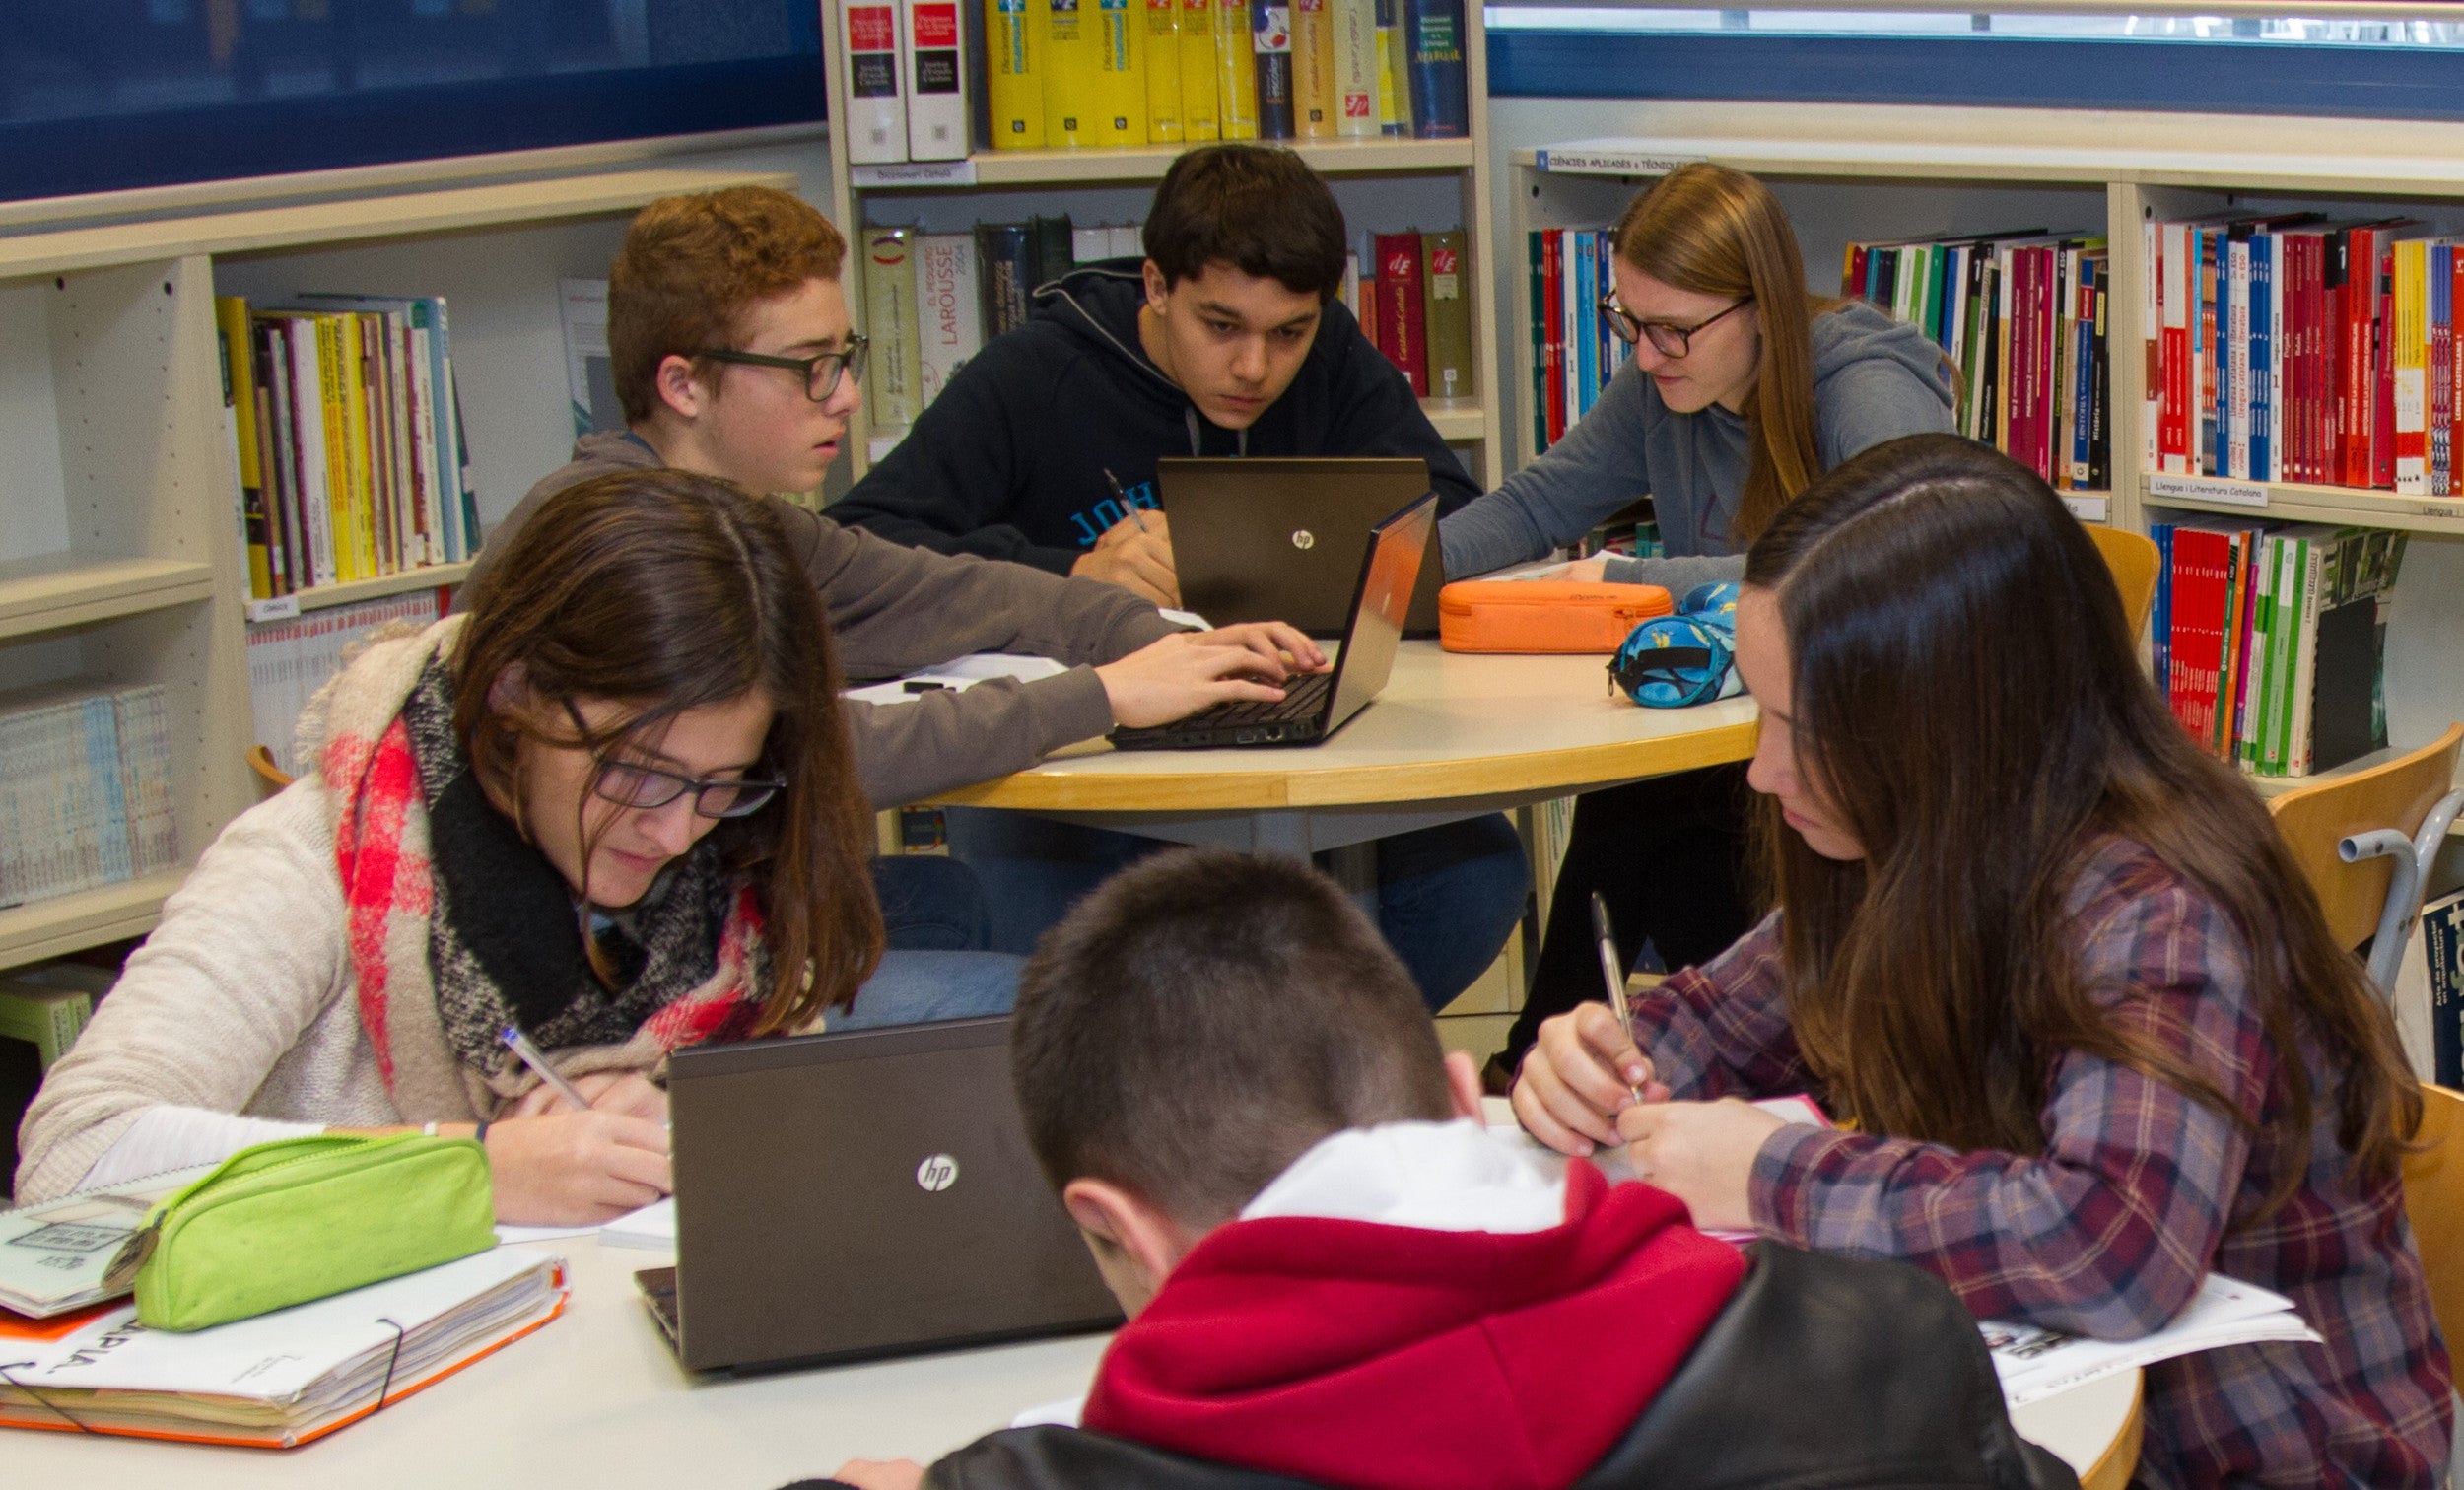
(1303, 539)
(937, 1173)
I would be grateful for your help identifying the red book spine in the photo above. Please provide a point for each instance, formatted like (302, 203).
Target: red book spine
(2354, 358)
(1554, 308)
(2173, 426)
(2020, 398)
(2048, 364)
(1406, 330)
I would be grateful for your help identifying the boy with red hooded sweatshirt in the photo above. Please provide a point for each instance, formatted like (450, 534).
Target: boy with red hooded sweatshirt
(1335, 1276)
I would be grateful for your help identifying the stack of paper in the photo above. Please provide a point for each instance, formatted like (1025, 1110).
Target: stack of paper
(56, 1256)
(2037, 1363)
(285, 1378)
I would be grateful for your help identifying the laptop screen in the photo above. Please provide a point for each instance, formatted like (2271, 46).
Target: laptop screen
(1397, 549)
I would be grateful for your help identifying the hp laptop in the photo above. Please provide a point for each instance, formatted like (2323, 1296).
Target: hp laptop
(1317, 705)
(1277, 538)
(871, 1194)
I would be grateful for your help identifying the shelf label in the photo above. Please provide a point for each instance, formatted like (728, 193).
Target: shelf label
(278, 608)
(2248, 494)
(1598, 161)
(2086, 509)
(916, 174)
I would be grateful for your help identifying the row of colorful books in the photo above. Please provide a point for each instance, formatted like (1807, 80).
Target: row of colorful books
(2271, 641)
(2022, 318)
(348, 437)
(2295, 348)
(1413, 305)
(290, 661)
(1574, 350)
(85, 789)
(934, 80)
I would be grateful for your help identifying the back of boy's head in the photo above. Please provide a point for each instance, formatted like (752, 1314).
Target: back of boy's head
(690, 267)
(1203, 1019)
(1258, 208)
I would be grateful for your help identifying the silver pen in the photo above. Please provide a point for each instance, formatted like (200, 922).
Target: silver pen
(519, 1044)
(1612, 971)
(1122, 498)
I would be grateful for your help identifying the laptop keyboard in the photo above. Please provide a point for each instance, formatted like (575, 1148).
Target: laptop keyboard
(1301, 700)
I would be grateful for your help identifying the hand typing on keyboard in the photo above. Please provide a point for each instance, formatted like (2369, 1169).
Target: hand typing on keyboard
(1182, 674)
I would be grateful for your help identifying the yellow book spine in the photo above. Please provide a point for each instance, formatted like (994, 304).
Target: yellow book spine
(332, 395)
(1120, 73)
(1314, 112)
(1068, 77)
(1013, 48)
(231, 330)
(2410, 361)
(1355, 30)
(360, 445)
(1164, 125)
(1236, 72)
(1198, 71)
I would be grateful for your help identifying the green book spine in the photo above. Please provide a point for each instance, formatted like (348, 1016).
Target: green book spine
(1447, 313)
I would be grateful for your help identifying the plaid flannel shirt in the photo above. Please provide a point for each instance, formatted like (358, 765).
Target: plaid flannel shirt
(2108, 1232)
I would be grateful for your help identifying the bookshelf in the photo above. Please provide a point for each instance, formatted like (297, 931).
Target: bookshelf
(1382, 185)
(1849, 174)
(119, 551)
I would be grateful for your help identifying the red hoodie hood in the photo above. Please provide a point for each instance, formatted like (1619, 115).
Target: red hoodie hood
(1352, 1353)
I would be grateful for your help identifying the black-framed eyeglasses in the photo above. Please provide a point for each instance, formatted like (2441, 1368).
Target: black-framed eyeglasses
(629, 783)
(821, 372)
(1667, 340)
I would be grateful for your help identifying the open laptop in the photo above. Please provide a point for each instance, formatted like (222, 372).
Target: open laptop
(1278, 538)
(1317, 705)
(847, 1196)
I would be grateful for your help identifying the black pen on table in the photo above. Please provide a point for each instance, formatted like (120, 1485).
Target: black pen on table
(1612, 973)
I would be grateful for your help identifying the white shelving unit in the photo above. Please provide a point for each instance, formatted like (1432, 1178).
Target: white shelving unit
(1384, 185)
(1841, 186)
(120, 552)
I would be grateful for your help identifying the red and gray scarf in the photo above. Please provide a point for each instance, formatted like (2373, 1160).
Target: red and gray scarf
(457, 927)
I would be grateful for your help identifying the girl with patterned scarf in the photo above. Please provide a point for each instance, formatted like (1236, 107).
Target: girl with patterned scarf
(612, 807)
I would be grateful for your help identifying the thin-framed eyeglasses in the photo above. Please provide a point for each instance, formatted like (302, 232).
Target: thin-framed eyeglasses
(1667, 340)
(629, 783)
(821, 372)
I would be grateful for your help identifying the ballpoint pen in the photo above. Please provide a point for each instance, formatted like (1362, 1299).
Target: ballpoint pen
(519, 1044)
(1121, 497)
(1612, 973)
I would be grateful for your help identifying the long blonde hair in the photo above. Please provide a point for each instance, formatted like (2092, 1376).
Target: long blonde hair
(1713, 231)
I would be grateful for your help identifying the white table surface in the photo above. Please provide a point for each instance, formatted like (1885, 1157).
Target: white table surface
(596, 1401)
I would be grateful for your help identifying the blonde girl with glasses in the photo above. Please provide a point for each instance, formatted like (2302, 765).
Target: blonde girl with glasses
(1741, 389)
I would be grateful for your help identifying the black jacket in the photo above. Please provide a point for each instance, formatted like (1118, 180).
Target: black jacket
(1009, 460)
(1823, 1372)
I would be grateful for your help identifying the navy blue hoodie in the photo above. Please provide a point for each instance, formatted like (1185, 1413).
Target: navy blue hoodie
(1009, 460)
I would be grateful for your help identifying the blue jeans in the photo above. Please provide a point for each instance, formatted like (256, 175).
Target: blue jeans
(921, 987)
(1446, 898)
(930, 903)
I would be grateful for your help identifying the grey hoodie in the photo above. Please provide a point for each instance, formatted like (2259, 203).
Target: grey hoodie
(1874, 380)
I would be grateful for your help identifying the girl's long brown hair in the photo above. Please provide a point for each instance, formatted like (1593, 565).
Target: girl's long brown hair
(1714, 230)
(1968, 700)
(668, 592)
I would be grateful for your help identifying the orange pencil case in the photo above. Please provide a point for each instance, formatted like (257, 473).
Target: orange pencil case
(1543, 615)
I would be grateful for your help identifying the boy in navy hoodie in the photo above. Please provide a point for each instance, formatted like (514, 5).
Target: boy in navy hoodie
(1227, 340)
(1335, 1276)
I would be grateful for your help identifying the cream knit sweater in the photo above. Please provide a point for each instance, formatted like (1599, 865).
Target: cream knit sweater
(241, 1001)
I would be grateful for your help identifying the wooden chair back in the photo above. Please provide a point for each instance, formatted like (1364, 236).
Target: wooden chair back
(2433, 1201)
(2132, 557)
(2395, 794)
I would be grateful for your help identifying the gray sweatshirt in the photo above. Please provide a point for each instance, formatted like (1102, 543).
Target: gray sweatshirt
(895, 609)
(1874, 380)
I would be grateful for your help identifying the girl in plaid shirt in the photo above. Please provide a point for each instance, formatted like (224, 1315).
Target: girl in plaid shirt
(2055, 963)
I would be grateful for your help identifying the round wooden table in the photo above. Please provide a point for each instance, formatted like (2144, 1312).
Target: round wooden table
(1452, 736)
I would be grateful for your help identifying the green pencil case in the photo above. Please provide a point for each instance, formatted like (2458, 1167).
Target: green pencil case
(298, 1219)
